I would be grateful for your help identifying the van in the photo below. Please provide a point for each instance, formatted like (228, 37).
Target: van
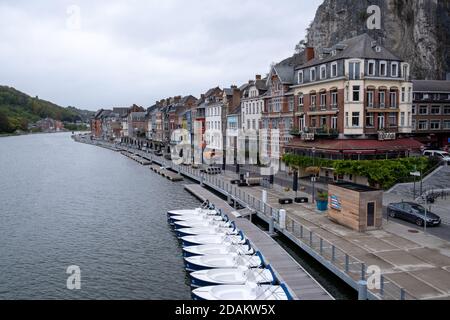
(439, 154)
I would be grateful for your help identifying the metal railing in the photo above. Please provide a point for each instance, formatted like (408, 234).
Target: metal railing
(333, 257)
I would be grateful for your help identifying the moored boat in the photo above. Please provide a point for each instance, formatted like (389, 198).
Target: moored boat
(206, 249)
(205, 231)
(212, 239)
(223, 262)
(247, 292)
(236, 276)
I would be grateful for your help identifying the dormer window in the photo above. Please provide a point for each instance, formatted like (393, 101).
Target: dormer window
(300, 76)
(371, 68)
(312, 74)
(333, 52)
(378, 49)
(334, 70)
(323, 72)
(394, 70)
(383, 69)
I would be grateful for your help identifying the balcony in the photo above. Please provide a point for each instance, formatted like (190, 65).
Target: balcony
(326, 132)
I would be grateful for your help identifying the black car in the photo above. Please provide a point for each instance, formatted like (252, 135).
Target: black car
(413, 212)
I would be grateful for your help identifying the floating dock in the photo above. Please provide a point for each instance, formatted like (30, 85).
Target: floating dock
(299, 282)
(172, 176)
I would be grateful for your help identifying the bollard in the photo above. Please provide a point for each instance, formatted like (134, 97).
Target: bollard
(362, 290)
(271, 225)
(282, 219)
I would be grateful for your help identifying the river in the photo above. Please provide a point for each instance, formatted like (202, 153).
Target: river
(64, 203)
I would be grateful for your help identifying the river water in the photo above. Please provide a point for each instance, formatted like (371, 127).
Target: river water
(64, 203)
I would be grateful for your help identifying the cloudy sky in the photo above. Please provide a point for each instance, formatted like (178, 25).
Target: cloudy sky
(116, 53)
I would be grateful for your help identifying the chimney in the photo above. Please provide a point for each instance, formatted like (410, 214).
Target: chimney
(236, 97)
(309, 52)
(233, 87)
(258, 77)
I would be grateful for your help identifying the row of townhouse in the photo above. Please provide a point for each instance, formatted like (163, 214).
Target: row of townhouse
(354, 100)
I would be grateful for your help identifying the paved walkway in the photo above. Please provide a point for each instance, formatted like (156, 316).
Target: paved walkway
(416, 262)
(300, 283)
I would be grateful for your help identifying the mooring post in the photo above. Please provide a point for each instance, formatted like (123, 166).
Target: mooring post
(362, 290)
(282, 219)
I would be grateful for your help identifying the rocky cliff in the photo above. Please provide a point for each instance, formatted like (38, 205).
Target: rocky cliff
(416, 30)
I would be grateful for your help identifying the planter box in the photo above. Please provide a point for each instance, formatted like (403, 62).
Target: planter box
(322, 205)
(285, 201)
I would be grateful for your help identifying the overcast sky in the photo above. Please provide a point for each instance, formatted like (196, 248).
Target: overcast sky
(122, 52)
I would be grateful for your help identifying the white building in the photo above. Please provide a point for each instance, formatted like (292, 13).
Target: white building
(252, 104)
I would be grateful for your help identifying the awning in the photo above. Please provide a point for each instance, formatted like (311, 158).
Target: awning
(355, 146)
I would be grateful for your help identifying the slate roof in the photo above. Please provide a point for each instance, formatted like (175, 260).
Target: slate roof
(440, 86)
(357, 47)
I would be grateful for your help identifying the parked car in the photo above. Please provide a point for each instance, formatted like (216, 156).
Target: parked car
(439, 154)
(414, 213)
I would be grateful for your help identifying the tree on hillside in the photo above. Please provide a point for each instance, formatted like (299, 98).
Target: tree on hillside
(4, 123)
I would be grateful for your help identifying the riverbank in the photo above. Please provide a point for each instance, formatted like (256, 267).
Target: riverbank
(410, 270)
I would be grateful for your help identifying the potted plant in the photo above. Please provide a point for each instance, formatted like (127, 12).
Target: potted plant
(322, 201)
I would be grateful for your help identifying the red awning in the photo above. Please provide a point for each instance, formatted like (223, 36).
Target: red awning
(357, 146)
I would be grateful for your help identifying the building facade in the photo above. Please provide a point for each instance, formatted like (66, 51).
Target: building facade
(431, 113)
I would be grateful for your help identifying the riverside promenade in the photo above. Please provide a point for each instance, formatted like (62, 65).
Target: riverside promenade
(413, 265)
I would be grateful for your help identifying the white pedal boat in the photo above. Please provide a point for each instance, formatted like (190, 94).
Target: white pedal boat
(212, 239)
(203, 223)
(205, 231)
(193, 218)
(247, 292)
(197, 211)
(217, 249)
(221, 261)
(238, 276)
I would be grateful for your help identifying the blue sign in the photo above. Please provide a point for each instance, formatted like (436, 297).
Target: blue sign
(335, 203)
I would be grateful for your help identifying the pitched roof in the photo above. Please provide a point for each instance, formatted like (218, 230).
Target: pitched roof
(361, 46)
(285, 69)
(440, 86)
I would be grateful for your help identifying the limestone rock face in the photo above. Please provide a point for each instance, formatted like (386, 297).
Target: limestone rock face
(418, 31)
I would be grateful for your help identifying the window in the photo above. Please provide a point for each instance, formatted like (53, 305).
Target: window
(414, 109)
(370, 99)
(423, 125)
(323, 121)
(435, 124)
(254, 124)
(383, 69)
(313, 101)
(446, 124)
(435, 110)
(312, 74)
(323, 72)
(334, 120)
(423, 110)
(409, 119)
(403, 94)
(354, 71)
(381, 123)
(405, 72)
(409, 94)
(356, 93)
(300, 76)
(394, 69)
(300, 100)
(382, 99)
(392, 119)
(248, 124)
(323, 101)
(334, 71)
(413, 124)
(355, 119)
(370, 120)
(371, 68)
(313, 122)
(291, 104)
(334, 99)
(301, 124)
(446, 110)
(393, 99)
(402, 119)
(346, 120)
